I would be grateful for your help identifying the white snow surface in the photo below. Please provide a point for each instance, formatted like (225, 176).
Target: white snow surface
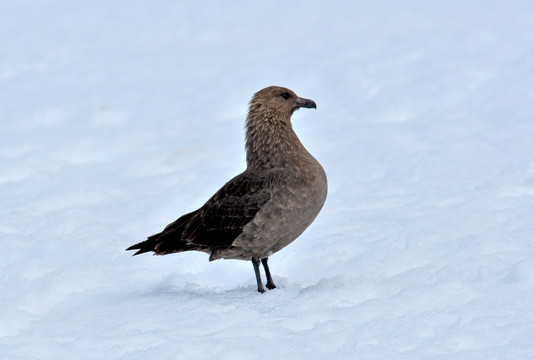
(117, 117)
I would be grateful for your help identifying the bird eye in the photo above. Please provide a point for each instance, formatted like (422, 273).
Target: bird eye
(285, 95)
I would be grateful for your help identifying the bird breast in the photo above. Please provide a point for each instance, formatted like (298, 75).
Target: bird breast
(295, 203)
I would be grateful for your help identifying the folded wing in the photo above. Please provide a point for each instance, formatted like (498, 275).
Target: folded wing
(216, 224)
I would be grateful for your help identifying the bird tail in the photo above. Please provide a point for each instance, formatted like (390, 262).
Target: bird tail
(167, 241)
(145, 246)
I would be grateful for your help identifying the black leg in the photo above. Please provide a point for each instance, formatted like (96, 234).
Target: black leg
(270, 282)
(256, 264)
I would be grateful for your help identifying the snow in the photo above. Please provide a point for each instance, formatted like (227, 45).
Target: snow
(117, 117)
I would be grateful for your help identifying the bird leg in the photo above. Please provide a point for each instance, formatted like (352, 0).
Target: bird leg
(270, 282)
(256, 264)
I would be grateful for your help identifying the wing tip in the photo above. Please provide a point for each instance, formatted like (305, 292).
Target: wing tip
(142, 247)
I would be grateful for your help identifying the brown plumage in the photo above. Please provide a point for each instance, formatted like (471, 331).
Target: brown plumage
(266, 207)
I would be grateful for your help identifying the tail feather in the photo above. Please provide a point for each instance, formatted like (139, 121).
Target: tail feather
(167, 241)
(145, 246)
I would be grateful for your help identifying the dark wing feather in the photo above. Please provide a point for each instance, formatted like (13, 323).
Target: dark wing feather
(172, 230)
(218, 222)
(225, 215)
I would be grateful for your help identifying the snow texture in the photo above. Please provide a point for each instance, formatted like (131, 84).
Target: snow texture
(117, 117)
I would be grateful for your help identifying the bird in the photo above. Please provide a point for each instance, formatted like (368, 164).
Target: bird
(267, 206)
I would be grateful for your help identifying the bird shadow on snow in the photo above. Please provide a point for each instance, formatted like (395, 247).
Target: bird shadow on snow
(190, 291)
(219, 283)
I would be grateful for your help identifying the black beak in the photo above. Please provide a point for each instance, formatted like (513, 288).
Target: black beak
(305, 103)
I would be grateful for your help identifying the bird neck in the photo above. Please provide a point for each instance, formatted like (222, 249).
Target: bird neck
(271, 142)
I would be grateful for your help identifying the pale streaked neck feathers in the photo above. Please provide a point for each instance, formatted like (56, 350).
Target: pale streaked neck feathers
(271, 141)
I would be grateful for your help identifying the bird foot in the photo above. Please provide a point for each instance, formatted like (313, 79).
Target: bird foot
(270, 286)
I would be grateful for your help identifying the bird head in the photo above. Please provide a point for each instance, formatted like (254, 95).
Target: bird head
(276, 99)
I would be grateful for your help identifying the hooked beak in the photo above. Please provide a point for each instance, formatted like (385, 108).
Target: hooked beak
(305, 103)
